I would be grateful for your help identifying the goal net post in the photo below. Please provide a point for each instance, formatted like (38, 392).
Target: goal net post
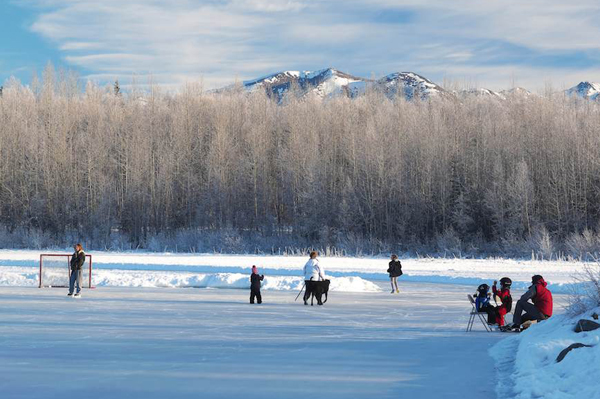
(55, 271)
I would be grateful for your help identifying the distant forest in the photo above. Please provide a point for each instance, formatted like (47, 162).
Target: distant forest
(239, 173)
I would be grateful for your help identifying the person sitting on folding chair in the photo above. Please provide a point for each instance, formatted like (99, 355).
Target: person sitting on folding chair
(482, 303)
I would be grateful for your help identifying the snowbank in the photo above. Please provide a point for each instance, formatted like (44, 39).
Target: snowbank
(527, 367)
(444, 271)
(221, 280)
(28, 276)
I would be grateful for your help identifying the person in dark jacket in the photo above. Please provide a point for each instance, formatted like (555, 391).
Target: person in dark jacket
(540, 307)
(395, 271)
(77, 261)
(482, 302)
(255, 280)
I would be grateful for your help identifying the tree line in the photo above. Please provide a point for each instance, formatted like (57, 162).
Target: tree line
(239, 172)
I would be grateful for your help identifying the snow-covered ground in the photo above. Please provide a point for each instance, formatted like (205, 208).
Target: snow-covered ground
(210, 343)
(283, 272)
(528, 368)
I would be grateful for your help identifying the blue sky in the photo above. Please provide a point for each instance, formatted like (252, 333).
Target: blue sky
(21, 51)
(467, 43)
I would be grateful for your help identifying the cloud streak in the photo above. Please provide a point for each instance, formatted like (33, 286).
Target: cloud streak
(220, 40)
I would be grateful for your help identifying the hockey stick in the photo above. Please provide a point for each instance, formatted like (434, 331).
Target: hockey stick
(301, 289)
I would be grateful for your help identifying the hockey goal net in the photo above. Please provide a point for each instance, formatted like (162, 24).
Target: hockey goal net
(55, 270)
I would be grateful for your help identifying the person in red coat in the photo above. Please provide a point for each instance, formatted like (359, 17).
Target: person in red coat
(540, 307)
(505, 299)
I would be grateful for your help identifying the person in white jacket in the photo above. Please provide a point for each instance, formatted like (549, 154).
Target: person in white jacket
(312, 272)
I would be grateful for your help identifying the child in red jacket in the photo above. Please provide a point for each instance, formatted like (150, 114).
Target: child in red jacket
(506, 300)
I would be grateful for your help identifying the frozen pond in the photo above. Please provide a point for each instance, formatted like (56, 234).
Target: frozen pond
(210, 343)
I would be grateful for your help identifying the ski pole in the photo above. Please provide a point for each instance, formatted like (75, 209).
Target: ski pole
(301, 289)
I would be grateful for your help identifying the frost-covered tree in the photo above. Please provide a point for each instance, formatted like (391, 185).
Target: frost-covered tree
(368, 173)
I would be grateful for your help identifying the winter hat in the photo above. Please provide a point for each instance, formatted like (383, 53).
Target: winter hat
(483, 290)
(505, 282)
(537, 279)
(254, 270)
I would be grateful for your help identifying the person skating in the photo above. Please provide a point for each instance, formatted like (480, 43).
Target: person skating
(506, 299)
(77, 261)
(255, 280)
(395, 271)
(540, 307)
(312, 272)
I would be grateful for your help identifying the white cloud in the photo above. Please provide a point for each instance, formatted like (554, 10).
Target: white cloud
(272, 5)
(220, 40)
(544, 24)
(138, 37)
(75, 46)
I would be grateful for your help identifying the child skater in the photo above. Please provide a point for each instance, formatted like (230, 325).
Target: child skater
(255, 280)
(482, 303)
(505, 298)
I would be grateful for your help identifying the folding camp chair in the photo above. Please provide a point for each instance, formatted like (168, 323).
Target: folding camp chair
(474, 313)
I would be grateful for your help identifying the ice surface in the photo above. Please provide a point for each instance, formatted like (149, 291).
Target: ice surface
(128, 338)
(210, 343)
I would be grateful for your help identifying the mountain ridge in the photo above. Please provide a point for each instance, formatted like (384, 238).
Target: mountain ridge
(331, 82)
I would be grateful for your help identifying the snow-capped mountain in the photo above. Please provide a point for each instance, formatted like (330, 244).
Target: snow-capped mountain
(515, 92)
(331, 82)
(499, 95)
(323, 83)
(480, 92)
(587, 90)
(409, 85)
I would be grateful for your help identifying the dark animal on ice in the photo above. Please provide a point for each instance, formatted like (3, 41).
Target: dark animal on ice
(317, 289)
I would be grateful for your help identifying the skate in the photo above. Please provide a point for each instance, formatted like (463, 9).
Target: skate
(528, 324)
(511, 328)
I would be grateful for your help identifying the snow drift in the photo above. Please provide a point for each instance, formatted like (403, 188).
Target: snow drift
(166, 269)
(527, 367)
(28, 276)
(221, 280)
